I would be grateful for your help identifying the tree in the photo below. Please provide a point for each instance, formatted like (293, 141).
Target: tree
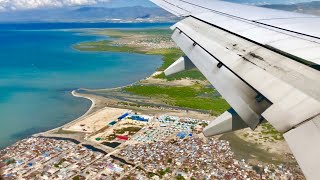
(179, 177)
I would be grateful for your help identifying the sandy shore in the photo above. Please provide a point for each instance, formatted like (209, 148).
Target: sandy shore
(93, 102)
(95, 121)
(75, 94)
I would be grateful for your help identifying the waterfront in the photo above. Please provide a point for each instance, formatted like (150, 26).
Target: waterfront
(39, 69)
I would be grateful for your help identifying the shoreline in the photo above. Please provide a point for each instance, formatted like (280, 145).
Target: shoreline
(93, 103)
(115, 88)
(76, 95)
(93, 100)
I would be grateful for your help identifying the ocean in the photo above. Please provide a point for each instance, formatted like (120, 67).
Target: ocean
(39, 69)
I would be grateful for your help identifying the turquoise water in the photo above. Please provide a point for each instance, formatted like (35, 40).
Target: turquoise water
(38, 70)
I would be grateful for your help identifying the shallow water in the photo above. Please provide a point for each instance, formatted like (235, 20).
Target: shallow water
(38, 70)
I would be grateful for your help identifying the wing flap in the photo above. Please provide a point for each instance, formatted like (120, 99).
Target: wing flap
(304, 143)
(261, 69)
(238, 94)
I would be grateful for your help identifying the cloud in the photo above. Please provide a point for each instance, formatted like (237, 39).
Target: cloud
(6, 5)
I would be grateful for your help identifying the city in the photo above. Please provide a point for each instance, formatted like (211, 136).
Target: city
(164, 147)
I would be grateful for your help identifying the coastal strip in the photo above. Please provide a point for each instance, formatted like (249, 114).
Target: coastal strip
(93, 102)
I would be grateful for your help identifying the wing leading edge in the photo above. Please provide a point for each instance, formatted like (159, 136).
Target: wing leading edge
(264, 62)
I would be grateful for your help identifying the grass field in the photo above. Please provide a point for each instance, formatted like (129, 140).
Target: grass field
(169, 56)
(195, 97)
(105, 45)
(191, 74)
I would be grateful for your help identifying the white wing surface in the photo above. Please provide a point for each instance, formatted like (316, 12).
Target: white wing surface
(264, 62)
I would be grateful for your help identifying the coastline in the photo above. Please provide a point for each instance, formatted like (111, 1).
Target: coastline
(88, 112)
(77, 95)
(168, 55)
(20, 124)
(93, 103)
(101, 103)
(115, 88)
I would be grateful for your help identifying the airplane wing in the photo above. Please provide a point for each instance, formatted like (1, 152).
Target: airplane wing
(264, 62)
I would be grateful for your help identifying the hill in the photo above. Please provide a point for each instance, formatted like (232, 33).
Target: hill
(88, 14)
(306, 8)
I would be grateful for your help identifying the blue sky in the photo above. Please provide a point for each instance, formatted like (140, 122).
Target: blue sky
(12, 5)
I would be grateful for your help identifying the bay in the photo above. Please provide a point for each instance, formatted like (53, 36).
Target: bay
(39, 69)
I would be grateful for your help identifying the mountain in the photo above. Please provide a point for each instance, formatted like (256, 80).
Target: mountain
(88, 14)
(265, 2)
(134, 13)
(306, 8)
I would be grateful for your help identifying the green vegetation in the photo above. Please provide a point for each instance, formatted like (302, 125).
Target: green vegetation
(193, 97)
(180, 177)
(131, 130)
(170, 55)
(111, 137)
(184, 96)
(186, 170)
(204, 125)
(76, 178)
(268, 129)
(191, 74)
(151, 174)
(246, 135)
(105, 45)
(120, 33)
(10, 161)
(164, 171)
(59, 163)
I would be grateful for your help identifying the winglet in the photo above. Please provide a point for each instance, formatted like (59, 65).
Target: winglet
(227, 122)
(182, 64)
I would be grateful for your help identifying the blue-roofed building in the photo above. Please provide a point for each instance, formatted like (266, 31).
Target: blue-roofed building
(139, 118)
(123, 116)
(181, 135)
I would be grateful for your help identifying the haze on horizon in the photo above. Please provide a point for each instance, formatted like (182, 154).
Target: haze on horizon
(18, 5)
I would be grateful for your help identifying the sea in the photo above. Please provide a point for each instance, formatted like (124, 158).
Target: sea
(39, 69)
